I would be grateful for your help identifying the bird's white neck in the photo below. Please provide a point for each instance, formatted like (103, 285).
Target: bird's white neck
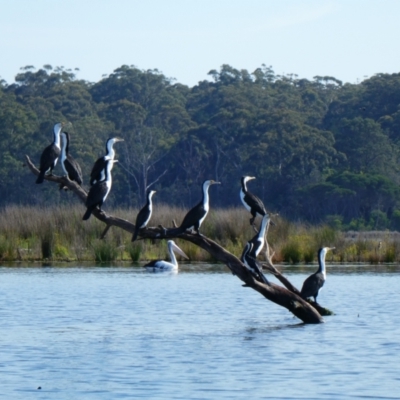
(108, 177)
(110, 150)
(322, 266)
(263, 227)
(64, 152)
(64, 148)
(206, 197)
(57, 132)
(174, 261)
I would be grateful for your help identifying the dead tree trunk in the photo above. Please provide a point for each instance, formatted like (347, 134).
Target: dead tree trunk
(287, 297)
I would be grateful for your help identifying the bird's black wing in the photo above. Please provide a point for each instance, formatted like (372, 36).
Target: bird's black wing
(252, 264)
(49, 155)
(152, 263)
(255, 244)
(141, 218)
(73, 169)
(98, 166)
(255, 203)
(96, 194)
(193, 216)
(312, 285)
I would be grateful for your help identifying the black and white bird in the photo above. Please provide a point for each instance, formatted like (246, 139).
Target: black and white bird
(50, 154)
(70, 166)
(162, 265)
(144, 215)
(251, 264)
(98, 169)
(313, 284)
(258, 240)
(99, 191)
(195, 217)
(252, 203)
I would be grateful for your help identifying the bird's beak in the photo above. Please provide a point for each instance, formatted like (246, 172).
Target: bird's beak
(180, 251)
(119, 139)
(331, 248)
(215, 183)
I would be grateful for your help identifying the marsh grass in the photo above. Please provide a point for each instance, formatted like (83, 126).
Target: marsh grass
(104, 251)
(58, 233)
(134, 250)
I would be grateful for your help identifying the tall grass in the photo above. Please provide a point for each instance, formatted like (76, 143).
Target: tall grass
(58, 233)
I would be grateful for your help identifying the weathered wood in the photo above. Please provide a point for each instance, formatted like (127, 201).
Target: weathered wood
(287, 297)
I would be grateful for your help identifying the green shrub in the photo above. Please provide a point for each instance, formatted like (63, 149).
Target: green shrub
(61, 252)
(309, 255)
(389, 255)
(291, 252)
(3, 247)
(134, 251)
(104, 251)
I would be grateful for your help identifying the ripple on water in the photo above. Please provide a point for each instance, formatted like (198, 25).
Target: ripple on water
(123, 333)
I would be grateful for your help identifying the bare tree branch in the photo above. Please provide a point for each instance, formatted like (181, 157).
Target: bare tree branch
(288, 299)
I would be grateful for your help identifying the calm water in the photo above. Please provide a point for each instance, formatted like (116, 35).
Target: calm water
(111, 333)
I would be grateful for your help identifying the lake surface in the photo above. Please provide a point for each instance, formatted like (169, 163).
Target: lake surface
(125, 333)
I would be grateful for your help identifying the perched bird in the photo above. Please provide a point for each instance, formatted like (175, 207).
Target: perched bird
(258, 240)
(251, 264)
(314, 282)
(99, 191)
(144, 215)
(99, 166)
(161, 265)
(50, 154)
(71, 168)
(194, 218)
(251, 202)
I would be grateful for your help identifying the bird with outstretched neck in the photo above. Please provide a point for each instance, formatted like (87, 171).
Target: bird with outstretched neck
(50, 155)
(144, 215)
(258, 240)
(162, 265)
(195, 216)
(99, 191)
(70, 166)
(251, 264)
(313, 284)
(252, 203)
(97, 173)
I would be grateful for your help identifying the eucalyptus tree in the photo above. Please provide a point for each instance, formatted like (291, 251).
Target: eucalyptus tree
(148, 111)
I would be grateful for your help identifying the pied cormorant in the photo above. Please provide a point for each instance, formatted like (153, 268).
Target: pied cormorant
(258, 240)
(194, 218)
(251, 264)
(99, 191)
(50, 154)
(144, 215)
(70, 166)
(251, 202)
(99, 166)
(161, 265)
(314, 282)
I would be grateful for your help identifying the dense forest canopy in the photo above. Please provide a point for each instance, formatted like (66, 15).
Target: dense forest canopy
(321, 150)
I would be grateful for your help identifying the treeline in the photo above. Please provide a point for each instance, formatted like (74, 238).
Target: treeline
(322, 151)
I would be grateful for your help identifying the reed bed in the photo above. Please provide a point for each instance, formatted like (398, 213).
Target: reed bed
(58, 233)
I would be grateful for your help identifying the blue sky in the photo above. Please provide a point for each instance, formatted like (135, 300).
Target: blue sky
(185, 39)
